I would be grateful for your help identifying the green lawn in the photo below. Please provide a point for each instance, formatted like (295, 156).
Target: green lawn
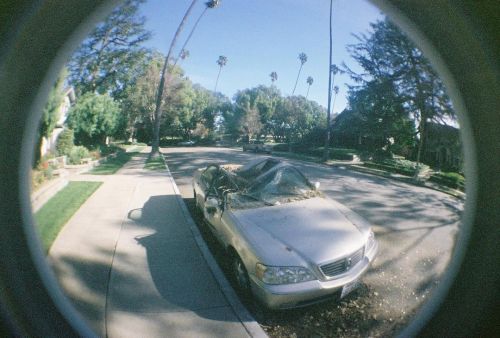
(155, 164)
(112, 164)
(58, 210)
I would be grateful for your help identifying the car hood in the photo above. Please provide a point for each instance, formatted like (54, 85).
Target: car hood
(315, 229)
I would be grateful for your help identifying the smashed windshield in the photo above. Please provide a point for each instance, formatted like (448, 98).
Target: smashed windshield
(256, 167)
(283, 185)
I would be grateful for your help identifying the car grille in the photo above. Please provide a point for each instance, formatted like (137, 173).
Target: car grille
(342, 265)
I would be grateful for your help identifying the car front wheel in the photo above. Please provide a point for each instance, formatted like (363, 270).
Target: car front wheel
(240, 276)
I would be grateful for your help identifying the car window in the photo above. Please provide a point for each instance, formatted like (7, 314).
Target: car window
(209, 174)
(257, 168)
(224, 184)
(282, 185)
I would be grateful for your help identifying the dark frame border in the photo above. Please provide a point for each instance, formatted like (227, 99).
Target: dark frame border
(460, 37)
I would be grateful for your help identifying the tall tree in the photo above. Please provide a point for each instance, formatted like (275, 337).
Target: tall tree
(221, 61)
(309, 81)
(326, 153)
(387, 53)
(108, 59)
(303, 59)
(93, 118)
(274, 77)
(155, 149)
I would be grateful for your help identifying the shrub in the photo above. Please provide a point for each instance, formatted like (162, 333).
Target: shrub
(365, 155)
(380, 155)
(280, 147)
(452, 180)
(77, 154)
(65, 142)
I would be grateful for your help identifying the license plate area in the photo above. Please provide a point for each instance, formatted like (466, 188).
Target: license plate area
(348, 288)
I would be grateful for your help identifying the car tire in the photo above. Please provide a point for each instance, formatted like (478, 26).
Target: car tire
(197, 206)
(240, 276)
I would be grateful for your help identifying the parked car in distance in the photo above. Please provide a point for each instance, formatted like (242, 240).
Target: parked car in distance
(257, 146)
(289, 245)
(187, 143)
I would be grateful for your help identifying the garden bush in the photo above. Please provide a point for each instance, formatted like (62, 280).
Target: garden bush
(77, 154)
(381, 155)
(452, 180)
(65, 142)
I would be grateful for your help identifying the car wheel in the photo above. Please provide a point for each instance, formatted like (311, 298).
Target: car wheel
(240, 275)
(196, 204)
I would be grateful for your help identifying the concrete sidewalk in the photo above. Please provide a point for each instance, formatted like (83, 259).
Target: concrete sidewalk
(133, 263)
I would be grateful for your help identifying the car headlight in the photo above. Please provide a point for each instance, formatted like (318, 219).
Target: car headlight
(371, 240)
(283, 274)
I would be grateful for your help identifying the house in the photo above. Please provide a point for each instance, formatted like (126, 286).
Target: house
(442, 147)
(48, 144)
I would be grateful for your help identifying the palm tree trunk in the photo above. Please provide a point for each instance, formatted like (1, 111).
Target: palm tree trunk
(155, 149)
(217, 81)
(326, 153)
(308, 91)
(191, 34)
(296, 81)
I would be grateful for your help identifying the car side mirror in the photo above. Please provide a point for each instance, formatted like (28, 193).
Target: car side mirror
(211, 205)
(316, 185)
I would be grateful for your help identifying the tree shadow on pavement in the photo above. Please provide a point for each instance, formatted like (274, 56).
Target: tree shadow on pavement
(180, 279)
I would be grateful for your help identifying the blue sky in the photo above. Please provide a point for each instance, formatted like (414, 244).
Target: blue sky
(261, 36)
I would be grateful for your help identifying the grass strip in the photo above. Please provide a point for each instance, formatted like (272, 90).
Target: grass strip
(112, 164)
(59, 209)
(157, 163)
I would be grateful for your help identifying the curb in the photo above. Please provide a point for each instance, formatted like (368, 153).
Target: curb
(246, 319)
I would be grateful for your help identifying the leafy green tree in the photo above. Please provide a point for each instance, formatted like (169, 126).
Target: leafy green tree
(93, 118)
(379, 114)
(65, 142)
(387, 53)
(250, 124)
(296, 117)
(139, 102)
(112, 55)
(263, 100)
(303, 59)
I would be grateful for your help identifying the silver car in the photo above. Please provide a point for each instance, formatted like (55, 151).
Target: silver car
(289, 245)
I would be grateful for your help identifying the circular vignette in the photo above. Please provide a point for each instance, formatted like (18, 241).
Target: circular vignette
(458, 37)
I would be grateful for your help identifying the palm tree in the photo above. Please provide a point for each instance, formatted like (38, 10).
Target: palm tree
(303, 59)
(309, 81)
(184, 54)
(221, 61)
(155, 149)
(336, 91)
(274, 77)
(208, 4)
(326, 153)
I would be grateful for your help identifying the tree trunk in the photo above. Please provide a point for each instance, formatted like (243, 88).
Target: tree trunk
(296, 81)
(155, 149)
(326, 153)
(217, 81)
(421, 141)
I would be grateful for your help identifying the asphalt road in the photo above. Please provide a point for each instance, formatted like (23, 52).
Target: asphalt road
(415, 226)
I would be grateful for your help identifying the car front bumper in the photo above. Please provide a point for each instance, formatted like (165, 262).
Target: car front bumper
(288, 296)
